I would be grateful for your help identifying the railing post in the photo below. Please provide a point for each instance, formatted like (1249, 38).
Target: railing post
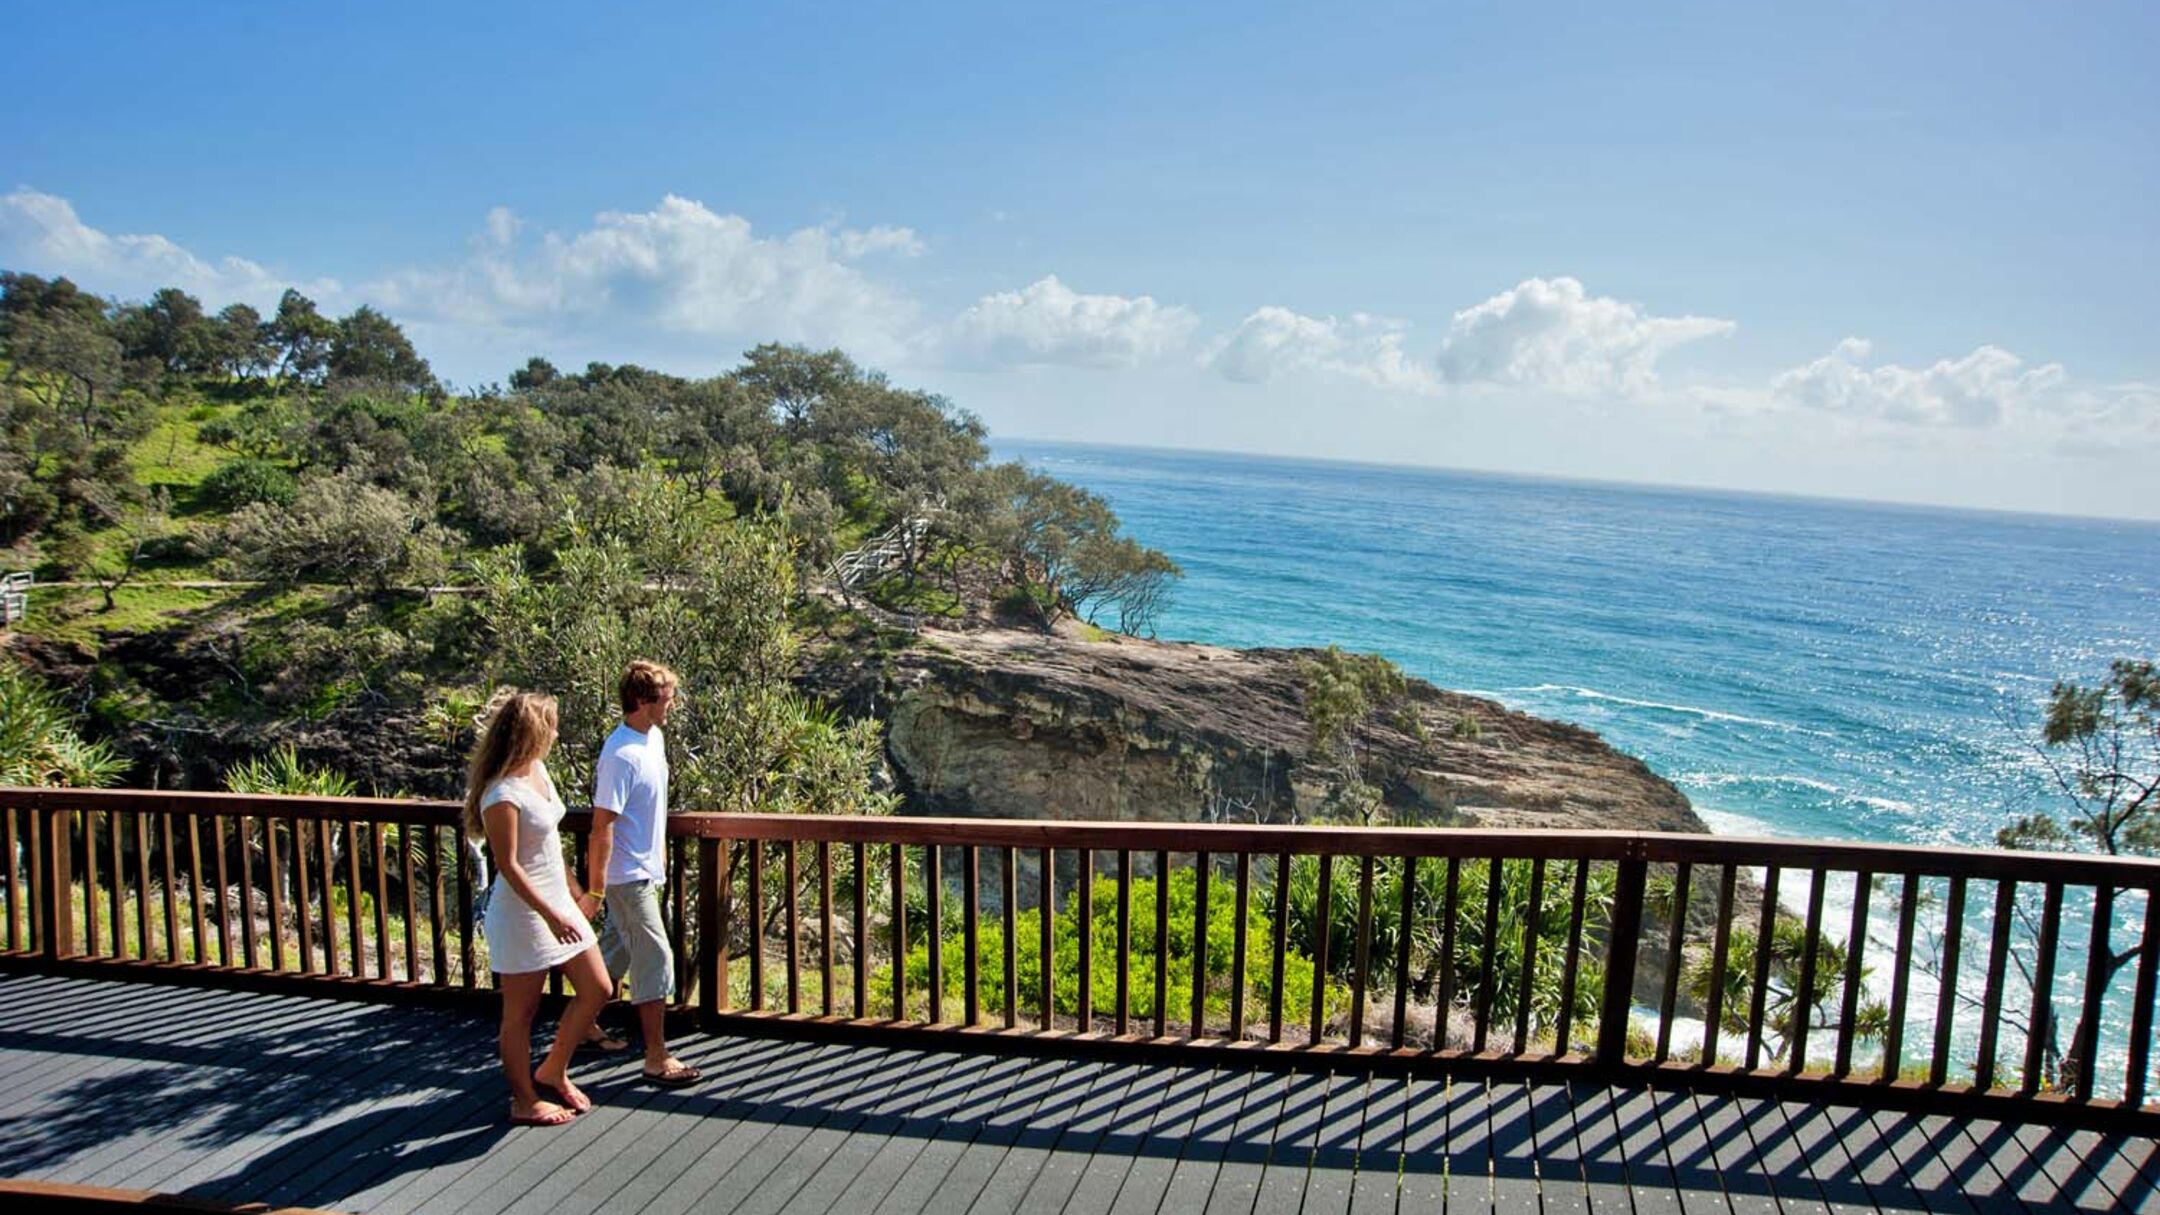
(1620, 949)
(56, 889)
(712, 948)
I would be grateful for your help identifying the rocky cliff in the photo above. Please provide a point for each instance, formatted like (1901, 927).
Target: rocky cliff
(1009, 723)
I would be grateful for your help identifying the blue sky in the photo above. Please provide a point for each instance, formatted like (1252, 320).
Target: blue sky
(1628, 242)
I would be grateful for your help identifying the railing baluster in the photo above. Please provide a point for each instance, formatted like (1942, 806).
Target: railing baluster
(1765, 941)
(249, 954)
(1450, 905)
(1623, 944)
(757, 924)
(38, 931)
(276, 882)
(794, 927)
(1046, 931)
(172, 901)
(1124, 940)
(90, 884)
(329, 909)
(1489, 964)
(1011, 895)
(142, 886)
(224, 900)
(195, 891)
(1578, 905)
(1675, 942)
(1804, 999)
(1084, 1009)
(1162, 941)
(379, 856)
(431, 839)
(1946, 1000)
(1242, 901)
(678, 920)
(2098, 958)
(1201, 869)
(1532, 916)
(899, 932)
(1998, 966)
(1279, 947)
(2141, 1005)
(934, 930)
(466, 875)
(1361, 952)
(859, 853)
(971, 938)
(1403, 935)
(825, 927)
(302, 909)
(2039, 1030)
(712, 905)
(1855, 946)
(1323, 913)
(1901, 965)
(352, 904)
(116, 884)
(14, 883)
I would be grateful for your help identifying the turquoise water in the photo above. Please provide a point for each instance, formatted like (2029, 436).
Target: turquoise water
(1798, 667)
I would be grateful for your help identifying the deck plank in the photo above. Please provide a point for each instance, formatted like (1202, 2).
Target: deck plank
(1641, 1138)
(1176, 1120)
(1597, 1130)
(1721, 1147)
(1245, 1155)
(973, 1097)
(1289, 1165)
(1039, 1092)
(839, 1174)
(1560, 1168)
(1380, 1148)
(1516, 1181)
(1812, 1140)
(1192, 1178)
(906, 1130)
(1423, 1178)
(1038, 1137)
(1335, 1155)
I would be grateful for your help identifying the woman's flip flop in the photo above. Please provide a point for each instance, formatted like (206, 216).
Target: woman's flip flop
(559, 1116)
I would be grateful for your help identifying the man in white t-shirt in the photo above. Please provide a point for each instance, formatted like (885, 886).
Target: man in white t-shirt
(626, 861)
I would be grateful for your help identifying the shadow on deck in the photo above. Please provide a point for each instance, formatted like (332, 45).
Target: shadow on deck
(295, 1101)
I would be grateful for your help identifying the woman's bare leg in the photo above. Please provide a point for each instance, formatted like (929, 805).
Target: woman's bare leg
(591, 989)
(521, 1001)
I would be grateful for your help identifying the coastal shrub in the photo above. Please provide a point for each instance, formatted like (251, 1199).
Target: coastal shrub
(244, 482)
(1298, 974)
(1467, 728)
(39, 742)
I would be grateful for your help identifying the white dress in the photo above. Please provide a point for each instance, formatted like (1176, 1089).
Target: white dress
(518, 940)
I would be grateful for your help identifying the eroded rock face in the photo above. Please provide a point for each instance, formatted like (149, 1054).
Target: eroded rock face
(1002, 723)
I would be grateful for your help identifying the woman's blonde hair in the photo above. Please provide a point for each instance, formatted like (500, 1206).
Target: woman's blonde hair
(515, 729)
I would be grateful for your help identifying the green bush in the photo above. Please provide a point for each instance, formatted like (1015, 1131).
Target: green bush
(243, 482)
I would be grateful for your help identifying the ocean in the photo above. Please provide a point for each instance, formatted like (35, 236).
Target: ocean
(1798, 667)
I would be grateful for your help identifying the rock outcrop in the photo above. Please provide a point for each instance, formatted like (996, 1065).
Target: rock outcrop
(1011, 723)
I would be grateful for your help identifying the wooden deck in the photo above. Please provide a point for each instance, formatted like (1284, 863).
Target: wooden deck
(358, 1107)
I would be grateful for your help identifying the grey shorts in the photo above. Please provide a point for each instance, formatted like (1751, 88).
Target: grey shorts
(634, 942)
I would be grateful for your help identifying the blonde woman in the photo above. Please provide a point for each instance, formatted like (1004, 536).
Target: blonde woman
(532, 921)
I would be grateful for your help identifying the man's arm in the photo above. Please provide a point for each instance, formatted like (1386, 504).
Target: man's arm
(598, 846)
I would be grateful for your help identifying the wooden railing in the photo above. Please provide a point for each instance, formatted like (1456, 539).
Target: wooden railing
(2017, 985)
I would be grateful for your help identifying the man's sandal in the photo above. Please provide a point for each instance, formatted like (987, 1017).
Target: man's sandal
(677, 1075)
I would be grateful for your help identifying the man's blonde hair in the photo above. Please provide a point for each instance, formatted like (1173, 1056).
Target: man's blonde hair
(643, 680)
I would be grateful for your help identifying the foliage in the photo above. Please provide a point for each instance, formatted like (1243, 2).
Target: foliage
(247, 481)
(39, 743)
(2110, 734)
(1785, 1001)
(659, 576)
(1343, 692)
(282, 772)
(338, 528)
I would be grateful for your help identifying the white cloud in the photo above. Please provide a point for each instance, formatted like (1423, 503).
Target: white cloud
(2109, 420)
(680, 267)
(1983, 388)
(42, 233)
(1552, 334)
(1048, 322)
(1273, 342)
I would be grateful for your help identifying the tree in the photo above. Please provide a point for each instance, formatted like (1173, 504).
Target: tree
(370, 346)
(1344, 691)
(136, 521)
(170, 332)
(302, 337)
(242, 343)
(2100, 745)
(658, 573)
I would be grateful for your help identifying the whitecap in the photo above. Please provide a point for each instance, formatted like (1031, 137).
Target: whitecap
(1547, 689)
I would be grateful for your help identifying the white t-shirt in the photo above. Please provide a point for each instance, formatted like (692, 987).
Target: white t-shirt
(632, 781)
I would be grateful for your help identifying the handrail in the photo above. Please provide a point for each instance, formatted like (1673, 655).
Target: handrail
(1501, 951)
